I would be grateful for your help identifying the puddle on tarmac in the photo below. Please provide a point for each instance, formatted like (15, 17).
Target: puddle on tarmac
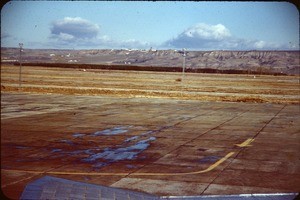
(111, 155)
(210, 159)
(131, 138)
(78, 135)
(21, 147)
(129, 149)
(113, 131)
(56, 150)
(67, 142)
(131, 166)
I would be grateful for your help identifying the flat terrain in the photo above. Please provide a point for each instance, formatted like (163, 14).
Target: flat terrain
(145, 131)
(215, 87)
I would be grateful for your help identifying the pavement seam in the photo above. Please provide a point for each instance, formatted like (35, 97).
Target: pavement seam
(241, 149)
(167, 127)
(12, 183)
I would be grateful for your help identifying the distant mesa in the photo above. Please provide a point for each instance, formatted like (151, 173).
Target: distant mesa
(264, 62)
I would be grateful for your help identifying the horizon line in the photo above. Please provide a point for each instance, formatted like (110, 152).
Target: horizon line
(150, 49)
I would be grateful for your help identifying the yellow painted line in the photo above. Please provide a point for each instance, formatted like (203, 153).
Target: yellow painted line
(213, 166)
(246, 143)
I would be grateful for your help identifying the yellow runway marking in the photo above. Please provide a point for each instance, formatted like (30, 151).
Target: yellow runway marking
(213, 166)
(246, 143)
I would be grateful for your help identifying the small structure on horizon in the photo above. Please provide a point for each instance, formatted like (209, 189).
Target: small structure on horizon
(183, 64)
(20, 63)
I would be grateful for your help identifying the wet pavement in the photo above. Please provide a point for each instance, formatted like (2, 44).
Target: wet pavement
(162, 147)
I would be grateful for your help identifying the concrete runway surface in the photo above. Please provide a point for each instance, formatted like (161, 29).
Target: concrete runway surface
(158, 146)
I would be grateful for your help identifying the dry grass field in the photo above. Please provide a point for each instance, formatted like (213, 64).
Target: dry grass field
(207, 87)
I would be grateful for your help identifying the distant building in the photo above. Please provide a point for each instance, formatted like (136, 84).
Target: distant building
(70, 61)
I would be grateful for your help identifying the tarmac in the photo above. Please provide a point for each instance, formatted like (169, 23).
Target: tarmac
(158, 147)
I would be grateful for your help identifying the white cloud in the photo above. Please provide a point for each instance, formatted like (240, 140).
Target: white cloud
(260, 44)
(207, 32)
(65, 36)
(269, 45)
(201, 36)
(133, 43)
(80, 33)
(217, 37)
(74, 28)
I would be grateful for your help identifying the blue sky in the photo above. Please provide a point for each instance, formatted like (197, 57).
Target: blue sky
(141, 25)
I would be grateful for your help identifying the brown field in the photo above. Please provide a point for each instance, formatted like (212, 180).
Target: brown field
(207, 87)
(208, 134)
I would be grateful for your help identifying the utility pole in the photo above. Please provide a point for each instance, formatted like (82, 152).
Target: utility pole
(20, 62)
(183, 64)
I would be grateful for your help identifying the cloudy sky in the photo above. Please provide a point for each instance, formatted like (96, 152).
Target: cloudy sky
(141, 25)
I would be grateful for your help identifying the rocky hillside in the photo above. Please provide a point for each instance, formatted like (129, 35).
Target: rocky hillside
(287, 62)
